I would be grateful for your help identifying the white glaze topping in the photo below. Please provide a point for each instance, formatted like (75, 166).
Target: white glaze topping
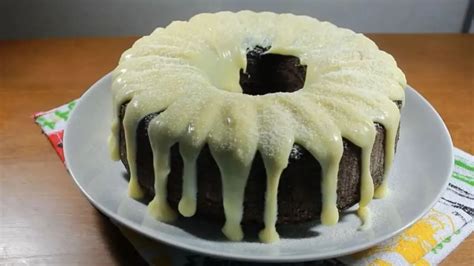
(189, 71)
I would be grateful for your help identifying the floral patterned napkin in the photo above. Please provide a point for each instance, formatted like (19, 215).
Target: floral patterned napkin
(427, 242)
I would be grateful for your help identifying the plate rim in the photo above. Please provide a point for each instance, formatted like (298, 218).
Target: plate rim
(229, 255)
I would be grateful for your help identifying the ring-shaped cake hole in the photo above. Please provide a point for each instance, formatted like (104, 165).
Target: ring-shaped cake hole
(270, 73)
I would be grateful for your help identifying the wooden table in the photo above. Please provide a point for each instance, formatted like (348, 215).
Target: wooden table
(43, 216)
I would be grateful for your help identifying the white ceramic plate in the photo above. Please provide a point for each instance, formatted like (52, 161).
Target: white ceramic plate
(420, 173)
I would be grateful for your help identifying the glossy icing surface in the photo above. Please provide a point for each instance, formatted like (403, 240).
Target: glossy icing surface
(189, 71)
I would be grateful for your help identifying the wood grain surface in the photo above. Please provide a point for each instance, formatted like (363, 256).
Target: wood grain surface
(44, 219)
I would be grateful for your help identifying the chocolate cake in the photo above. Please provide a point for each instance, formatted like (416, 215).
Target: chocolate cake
(298, 186)
(300, 183)
(267, 125)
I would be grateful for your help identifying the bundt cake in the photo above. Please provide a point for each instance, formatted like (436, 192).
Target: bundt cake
(256, 118)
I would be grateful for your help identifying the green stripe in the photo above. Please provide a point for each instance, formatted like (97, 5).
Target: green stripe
(464, 165)
(467, 179)
(463, 176)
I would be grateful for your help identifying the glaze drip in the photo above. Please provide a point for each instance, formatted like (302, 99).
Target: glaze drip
(191, 72)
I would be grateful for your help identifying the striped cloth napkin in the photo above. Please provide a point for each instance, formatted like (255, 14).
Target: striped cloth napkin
(427, 242)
